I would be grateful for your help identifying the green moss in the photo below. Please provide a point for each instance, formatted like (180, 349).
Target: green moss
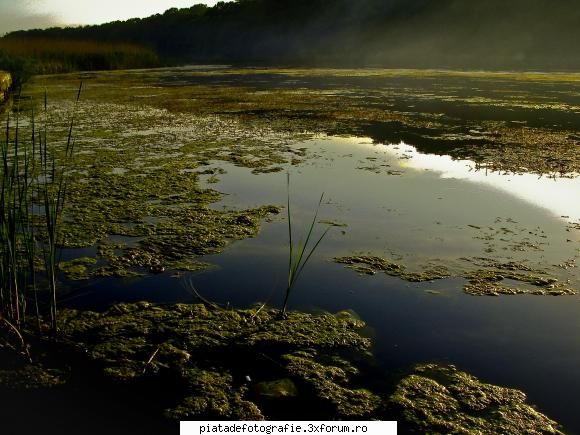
(77, 269)
(486, 279)
(276, 389)
(439, 399)
(31, 377)
(202, 348)
(214, 397)
(369, 265)
(330, 383)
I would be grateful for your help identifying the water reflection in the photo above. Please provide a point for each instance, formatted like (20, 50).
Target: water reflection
(394, 201)
(559, 195)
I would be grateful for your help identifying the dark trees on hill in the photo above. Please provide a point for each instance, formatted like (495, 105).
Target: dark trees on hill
(520, 34)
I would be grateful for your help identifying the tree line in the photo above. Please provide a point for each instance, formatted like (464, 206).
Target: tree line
(491, 34)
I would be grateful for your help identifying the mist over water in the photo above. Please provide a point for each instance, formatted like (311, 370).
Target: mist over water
(470, 34)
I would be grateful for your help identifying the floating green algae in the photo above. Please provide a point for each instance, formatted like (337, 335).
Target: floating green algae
(198, 362)
(213, 395)
(143, 142)
(441, 399)
(208, 351)
(330, 380)
(31, 377)
(77, 269)
(491, 283)
(370, 265)
(485, 277)
(277, 388)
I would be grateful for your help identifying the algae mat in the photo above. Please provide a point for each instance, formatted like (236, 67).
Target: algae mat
(196, 362)
(146, 137)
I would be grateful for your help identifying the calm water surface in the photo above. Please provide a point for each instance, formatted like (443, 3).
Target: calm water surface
(416, 209)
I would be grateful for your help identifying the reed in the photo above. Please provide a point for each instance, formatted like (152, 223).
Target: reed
(16, 231)
(32, 199)
(24, 56)
(299, 254)
(53, 188)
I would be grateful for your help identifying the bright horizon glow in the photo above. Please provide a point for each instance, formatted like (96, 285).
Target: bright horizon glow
(73, 12)
(29, 14)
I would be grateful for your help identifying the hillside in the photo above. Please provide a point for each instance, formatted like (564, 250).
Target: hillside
(491, 34)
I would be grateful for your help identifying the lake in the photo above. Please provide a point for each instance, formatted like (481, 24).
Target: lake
(464, 185)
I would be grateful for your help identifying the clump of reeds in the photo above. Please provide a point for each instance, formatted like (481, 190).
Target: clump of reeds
(52, 55)
(32, 198)
(16, 229)
(53, 187)
(301, 253)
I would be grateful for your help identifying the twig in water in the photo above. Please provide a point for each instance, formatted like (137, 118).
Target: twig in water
(188, 284)
(150, 360)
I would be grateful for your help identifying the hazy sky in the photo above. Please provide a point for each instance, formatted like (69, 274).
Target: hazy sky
(26, 14)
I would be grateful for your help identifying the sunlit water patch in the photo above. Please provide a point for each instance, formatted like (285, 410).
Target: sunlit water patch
(559, 195)
(393, 200)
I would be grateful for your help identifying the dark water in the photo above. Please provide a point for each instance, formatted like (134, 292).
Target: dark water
(417, 209)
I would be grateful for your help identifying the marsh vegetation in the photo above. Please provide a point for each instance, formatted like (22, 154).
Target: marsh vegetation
(427, 178)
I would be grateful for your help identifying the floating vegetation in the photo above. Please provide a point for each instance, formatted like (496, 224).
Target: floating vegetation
(441, 399)
(164, 142)
(31, 377)
(488, 279)
(370, 265)
(210, 354)
(278, 388)
(506, 235)
(213, 394)
(77, 269)
(135, 195)
(199, 362)
(491, 283)
(329, 381)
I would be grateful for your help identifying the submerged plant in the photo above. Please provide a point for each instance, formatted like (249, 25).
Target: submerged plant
(300, 254)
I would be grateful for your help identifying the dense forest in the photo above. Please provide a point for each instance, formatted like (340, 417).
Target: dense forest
(490, 34)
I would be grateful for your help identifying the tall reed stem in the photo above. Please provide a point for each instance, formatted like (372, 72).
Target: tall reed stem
(31, 181)
(299, 255)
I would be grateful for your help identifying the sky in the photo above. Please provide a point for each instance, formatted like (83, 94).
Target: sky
(28, 14)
